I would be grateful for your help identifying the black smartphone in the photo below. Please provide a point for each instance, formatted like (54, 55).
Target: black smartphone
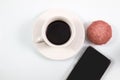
(91, 66)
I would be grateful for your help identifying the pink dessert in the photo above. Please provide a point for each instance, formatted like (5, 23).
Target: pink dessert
(99, 32)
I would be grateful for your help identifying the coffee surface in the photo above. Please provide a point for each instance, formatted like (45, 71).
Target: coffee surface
(58, 32)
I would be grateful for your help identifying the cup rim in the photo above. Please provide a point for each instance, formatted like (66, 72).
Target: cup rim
(55, 18)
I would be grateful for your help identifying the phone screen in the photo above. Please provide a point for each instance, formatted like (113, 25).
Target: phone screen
(91, 66)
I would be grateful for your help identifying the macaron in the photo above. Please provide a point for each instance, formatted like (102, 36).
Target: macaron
(99, 32)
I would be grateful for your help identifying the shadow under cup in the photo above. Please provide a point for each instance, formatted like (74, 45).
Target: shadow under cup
(58, 32)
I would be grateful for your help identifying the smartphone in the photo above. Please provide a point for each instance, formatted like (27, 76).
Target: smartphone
(91, 66)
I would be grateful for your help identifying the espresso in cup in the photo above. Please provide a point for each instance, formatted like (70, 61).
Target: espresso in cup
(58, 32)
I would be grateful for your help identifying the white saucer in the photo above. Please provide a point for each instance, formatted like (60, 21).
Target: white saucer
(59, 53)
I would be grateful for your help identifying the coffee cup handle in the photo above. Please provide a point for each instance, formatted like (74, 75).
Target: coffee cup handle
(39, 40)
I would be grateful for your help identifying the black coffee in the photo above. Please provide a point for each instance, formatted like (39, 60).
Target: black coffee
(58, 32)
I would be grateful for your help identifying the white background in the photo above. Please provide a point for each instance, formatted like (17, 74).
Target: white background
(19, 60)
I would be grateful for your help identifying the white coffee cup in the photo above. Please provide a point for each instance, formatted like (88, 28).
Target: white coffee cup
(54, 51)
(43, 37)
